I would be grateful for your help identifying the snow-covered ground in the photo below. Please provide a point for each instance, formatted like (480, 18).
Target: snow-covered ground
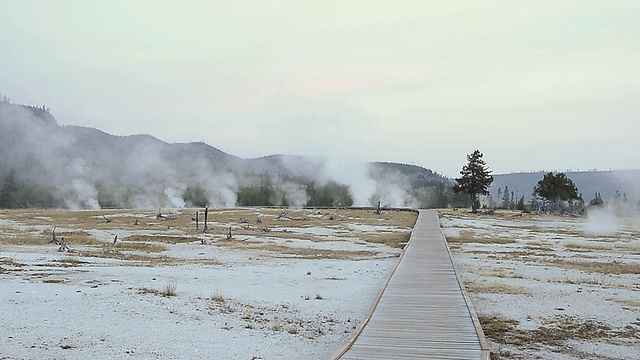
(551, 287)
(292, 288)
(295, 287)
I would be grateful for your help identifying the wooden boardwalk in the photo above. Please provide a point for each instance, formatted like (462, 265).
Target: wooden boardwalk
(422, 312)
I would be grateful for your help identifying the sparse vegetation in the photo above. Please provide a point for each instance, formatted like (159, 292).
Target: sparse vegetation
(8, 264)
(147, 241)
(554, 331)
(218, 298)
(507, 282)
(612, 267)
(168, 290)
(468, 236)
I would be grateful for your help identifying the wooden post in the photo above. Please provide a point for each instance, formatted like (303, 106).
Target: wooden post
(197, 224)
(206, 217)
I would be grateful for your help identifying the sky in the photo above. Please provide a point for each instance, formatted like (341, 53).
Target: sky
(534, 85)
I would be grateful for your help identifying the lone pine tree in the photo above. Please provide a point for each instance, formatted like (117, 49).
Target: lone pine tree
(475, 179)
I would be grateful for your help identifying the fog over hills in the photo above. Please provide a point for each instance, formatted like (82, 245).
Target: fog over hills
(85, 168)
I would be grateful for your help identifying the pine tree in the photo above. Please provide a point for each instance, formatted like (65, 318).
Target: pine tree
(9, 192)
(556, 189)
(505, 198)
(475, 179)
(597, 200)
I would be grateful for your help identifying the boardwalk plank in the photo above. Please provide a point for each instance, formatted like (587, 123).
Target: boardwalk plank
(422, 313)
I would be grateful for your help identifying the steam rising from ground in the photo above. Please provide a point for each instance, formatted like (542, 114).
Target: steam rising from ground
(368, 186)
(77, 164)
(609, 220)
(87, 168)
(601, 221)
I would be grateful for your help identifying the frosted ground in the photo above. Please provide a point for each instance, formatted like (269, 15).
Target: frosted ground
(287, 288)
(548, 287)
(544, 287)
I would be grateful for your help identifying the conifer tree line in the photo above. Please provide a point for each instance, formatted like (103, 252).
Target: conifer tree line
(554, 193)
(264, 190)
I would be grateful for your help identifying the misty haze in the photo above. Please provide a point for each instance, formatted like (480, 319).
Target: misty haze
(287, 180)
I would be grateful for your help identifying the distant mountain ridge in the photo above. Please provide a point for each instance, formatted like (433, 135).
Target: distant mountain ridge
(89, 168)
(607, 183)
(80, 167)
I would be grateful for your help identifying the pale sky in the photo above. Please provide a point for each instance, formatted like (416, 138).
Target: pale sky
(534, 85)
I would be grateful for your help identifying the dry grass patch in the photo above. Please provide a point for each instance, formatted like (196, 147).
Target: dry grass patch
(468, 236)
(167, 239)
(8, 265)
(69, 261)
(280, 234)
(169, 290)
(145, 260)
(597, 267)
(299, 252)
(555, 331)
(79, 237)
(53, 281)
(392, 239)
(218, 298)
(499, 273)
(303, 253)
(589, 246)
(137, 259)
(496, 287)
(29, 237)
(399, 218)
(139, 246)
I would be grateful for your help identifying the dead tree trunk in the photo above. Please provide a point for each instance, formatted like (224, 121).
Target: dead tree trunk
(197, 222)
(53, 237)
(63, 247)
(206, 218)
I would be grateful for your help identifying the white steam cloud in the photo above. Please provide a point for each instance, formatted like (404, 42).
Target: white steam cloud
(87, 168)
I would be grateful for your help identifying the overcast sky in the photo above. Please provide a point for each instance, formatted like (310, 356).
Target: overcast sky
(534, 85)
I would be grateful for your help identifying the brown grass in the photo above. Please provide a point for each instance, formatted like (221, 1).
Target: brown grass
(392, 239)
(555, 331)
(469, 236)
(597, 267)
(53, 281)
(79, 237)
(590, 246)
(152, 235)
(7, 265)
(497, 288)
(69, 261)
(298, 252)
(133, 259)
(168, 239)
(169, 290)
(140, 246)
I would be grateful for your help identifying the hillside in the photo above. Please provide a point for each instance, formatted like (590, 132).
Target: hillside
(47, 165)
(607, 183)
(78, 167)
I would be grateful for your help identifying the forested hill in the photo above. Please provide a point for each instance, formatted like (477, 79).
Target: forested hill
(43, 164)
(606, 183)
